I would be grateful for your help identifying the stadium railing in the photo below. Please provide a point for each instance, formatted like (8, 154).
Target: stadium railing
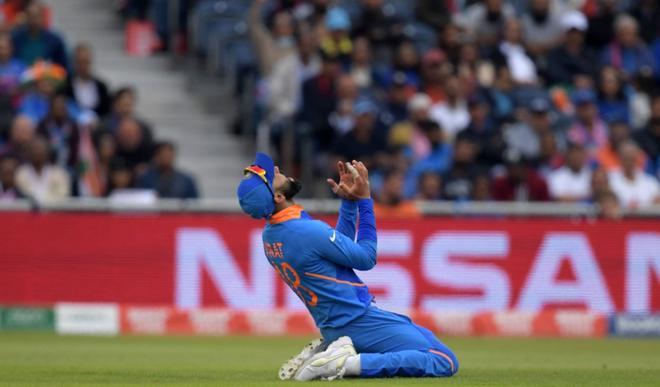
(327, 206)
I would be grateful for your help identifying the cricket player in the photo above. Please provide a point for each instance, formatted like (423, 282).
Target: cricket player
(318, 262)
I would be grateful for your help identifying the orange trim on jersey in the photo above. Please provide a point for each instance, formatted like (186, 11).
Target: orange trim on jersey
(451, 362)
(334, 279)
(291, 212)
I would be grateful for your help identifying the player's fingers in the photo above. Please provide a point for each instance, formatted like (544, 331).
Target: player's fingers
(343, 187)
(341, 168)
(333, 185)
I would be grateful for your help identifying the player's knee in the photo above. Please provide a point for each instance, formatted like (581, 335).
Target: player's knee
(445, 363)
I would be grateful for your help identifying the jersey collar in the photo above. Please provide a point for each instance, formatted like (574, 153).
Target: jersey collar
(291, 212)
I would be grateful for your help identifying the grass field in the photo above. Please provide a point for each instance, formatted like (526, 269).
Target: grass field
(40, 359)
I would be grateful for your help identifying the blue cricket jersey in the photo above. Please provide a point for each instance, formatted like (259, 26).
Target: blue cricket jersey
(317, 261)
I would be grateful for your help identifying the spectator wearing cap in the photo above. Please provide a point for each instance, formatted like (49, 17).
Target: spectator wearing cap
(41, 180)
(362, 142)
(396, 105)
(571, 58)
(390, 202)
(612, 101)
(634, 188)
(525, 136)
(337, 42)
(520, 182)
(434, 70)
(483, 132)
(522, 67)
(164, 178)
(34, 41)
(649, 140)
(61, 131)
(541, 26)
(588, 130)
(627, 53)
(484, 21)
(383, 29)
(572, 182)
(271, 46)
(607, 157)
(452, 114)
(8, 189)
(83, 86)
(319, 99)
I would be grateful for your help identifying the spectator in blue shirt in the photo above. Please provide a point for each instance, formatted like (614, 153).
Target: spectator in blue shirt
(612, 101)
(165, 179)
(627, 52)
(33, 41)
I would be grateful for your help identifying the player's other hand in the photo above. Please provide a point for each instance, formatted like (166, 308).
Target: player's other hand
(353, 181)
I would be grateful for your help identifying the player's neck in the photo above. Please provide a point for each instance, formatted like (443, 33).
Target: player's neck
(283, 206)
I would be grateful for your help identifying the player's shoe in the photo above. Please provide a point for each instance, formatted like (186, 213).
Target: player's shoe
(329, 364)
(289, 369)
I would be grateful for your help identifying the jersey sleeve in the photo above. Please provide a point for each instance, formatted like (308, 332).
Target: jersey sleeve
(347, 218)
(336, 247)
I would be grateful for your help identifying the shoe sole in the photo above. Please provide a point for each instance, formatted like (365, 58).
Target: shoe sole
(317, 361)
(291, 367)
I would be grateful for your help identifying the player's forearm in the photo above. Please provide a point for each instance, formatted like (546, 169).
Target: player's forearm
(347, 218)
(367, 238)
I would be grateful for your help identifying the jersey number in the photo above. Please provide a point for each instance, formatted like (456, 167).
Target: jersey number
(291, 277)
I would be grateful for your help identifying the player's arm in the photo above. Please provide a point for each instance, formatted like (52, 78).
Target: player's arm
(349, 207)
(347, 218)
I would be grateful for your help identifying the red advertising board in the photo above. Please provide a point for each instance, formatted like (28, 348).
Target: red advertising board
(434, 264)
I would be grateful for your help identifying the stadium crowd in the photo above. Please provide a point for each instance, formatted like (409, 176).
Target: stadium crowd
(63, 131)
(501, 100)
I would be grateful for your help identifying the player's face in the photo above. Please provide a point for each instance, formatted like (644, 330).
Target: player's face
(285, 188)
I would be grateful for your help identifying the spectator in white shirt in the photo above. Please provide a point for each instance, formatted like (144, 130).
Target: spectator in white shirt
(523, 69)
(41, 180)
(633, 187)
(572, 182)
(452, 114)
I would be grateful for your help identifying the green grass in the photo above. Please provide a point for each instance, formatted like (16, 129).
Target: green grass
(40, 359)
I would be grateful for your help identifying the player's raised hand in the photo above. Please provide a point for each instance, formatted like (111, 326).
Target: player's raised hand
(360, 188)
(347, 175)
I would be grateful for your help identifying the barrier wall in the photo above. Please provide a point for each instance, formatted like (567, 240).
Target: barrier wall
(436, 264)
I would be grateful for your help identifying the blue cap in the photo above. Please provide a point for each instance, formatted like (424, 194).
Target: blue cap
(581, 97)
(337, 19)
(364, 106)
(255, 191)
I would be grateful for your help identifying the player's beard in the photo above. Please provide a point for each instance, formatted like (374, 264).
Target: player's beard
(292, 188)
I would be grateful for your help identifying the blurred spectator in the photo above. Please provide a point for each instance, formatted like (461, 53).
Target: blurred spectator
(106, 147)
(634, 188)
(164, 178)
(434, 13)
(458, 182)
(319, 98)
(484, 21)
(572, 57)
(429, 186)
(601, 25)
(362, 142)
(87, 90)
(61, 131)
(134, 144)
(612, 101)
(608, 156)
(437, 159)
(452, 114)
(589, 130)
(649, 140)
(271, 46)
(572, 182)
(120, 178)
(34, 41)
(123, 106)
(8, 189)
(541, 26)
(42, 79)
(647, 14)
(481, 188)
(521, 66)
(434, 69)
(337, 42)
(383, 29)
(410, 134)
(599, 183)
(396, 106)
(627, 52)
(483, 132)
(13, 12)
(608, 206)
(40, 179)
(525, 136)
(21, 134)
(406, 61)
(550, 158)
(11, 70)
(390, 202)
(361, 70)
(520, 182)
